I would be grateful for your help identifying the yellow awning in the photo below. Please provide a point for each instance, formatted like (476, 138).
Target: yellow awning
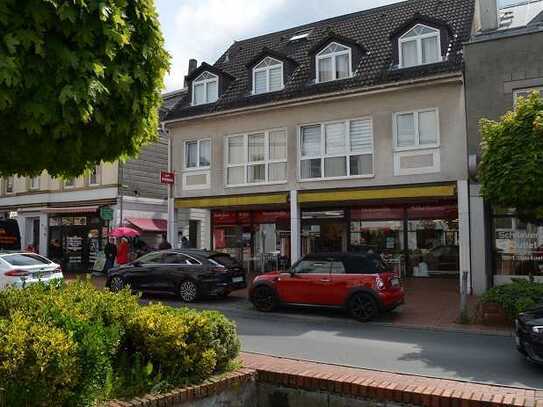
(225, 201)
(439, 191)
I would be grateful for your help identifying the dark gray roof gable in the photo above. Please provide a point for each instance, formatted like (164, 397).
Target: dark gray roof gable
(372, 29)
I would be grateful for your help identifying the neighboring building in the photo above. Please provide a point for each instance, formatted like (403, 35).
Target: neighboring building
(68, 219)
(504, 60)
(343, 134)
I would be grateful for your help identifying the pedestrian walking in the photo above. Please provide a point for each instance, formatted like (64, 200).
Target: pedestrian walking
(110, 250)
(164, 244)
(122, 251)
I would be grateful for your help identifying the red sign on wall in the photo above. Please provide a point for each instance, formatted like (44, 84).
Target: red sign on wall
(167, 177)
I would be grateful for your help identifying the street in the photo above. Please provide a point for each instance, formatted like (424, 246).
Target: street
(329, 336)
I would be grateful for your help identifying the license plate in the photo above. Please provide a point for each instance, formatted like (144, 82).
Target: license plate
(237, 279)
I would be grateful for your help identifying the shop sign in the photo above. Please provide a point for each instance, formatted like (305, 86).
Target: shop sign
(80, 221)
(167, 177)
(219, 239)
(106, 213)
(244, 218)
(271, 216)
(54, 221)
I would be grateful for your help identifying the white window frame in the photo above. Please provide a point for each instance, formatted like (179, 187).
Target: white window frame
(198, 166)
(97, 169)
(31, 185)
(417, 145)
(205, 82)
(347, 154)
(524, 90)
(418, 39)
(246, 164)
(267, 69)
(334, 56)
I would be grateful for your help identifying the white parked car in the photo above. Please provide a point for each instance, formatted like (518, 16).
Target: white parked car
(20, 269)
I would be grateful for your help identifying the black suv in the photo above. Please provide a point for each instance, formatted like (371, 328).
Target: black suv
(529, 334)
(188, 273)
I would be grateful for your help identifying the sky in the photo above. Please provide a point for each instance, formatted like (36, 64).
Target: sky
(204, 29)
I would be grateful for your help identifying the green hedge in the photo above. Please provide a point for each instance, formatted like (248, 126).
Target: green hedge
(516, 297)
(75, 345)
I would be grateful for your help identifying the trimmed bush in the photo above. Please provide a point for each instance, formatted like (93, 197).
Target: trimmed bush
(516, 297)
(74, 345)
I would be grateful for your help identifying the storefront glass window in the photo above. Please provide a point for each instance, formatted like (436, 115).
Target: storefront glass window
(518, 246)
(433, 241)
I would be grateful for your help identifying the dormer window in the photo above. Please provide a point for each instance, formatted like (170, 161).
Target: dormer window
(268, 76)
(205, 89)
(333, 62)
(419, 46)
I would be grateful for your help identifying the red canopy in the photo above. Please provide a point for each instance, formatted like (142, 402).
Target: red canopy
(123, 231)
(149, 225)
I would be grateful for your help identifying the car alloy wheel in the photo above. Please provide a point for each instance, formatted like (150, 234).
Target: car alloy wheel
(188, 291)
(362, 307)
(116, 284)
(264, 299)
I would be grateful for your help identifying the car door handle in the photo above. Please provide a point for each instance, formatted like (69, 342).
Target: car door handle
(325, 280)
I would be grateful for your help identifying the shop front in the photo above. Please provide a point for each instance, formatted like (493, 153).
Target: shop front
(418, 239)
(76, 238)
(259, 239)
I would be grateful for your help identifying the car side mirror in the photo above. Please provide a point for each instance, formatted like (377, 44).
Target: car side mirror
(292, 272)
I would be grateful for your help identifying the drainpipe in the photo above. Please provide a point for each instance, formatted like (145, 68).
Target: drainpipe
(171, 204)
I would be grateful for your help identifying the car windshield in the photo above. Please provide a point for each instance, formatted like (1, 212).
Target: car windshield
(25, 259)
(224, 260)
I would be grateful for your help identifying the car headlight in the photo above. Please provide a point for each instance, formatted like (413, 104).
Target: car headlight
(537, 330)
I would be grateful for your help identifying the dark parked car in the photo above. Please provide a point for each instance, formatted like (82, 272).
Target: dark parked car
(361, 283)
(529, 334)
(188, 273)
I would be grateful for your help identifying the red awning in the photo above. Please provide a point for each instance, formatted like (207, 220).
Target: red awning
(149, 225)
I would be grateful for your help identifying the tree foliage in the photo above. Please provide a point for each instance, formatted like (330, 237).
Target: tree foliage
(511, 170)
(80, 83)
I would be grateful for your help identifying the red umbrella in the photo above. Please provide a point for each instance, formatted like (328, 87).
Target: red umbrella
(124, 231)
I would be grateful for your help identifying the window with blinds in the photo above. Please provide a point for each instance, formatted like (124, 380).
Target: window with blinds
(336, 150)
(418, 129)
(256, 158)
(268, 76)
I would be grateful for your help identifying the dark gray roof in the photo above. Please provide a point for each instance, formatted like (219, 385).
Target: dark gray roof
(371, 29)
(169, 100)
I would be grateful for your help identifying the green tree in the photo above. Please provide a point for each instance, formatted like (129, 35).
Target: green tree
(80, 83)
(511, 170)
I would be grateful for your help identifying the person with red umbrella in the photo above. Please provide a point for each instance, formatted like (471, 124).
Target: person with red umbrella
(122, 251)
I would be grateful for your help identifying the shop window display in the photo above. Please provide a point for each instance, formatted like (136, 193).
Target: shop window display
(518, 245)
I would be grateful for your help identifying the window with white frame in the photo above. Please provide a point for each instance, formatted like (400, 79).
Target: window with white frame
(35, 182)
(333, 62)
(256, 158)
(336, 149)
(268, 76)
(417, 129)
(198, 154)
(10, 185)
(205, 89)
(525, 93)
(420, 45)
(93, 176)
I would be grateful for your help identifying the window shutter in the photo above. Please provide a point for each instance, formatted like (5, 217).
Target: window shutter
(275, 78)
(361, 136)
(335, 138)
(311, 141)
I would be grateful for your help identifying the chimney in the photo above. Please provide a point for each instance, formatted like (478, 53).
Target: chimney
(486, 15)
(193, 64)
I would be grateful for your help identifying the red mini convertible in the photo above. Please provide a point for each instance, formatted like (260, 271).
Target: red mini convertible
(359, 282)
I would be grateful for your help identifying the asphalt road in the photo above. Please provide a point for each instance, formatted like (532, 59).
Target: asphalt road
(329, 336)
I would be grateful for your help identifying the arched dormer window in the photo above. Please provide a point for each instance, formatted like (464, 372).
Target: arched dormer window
(205, 89)
(333, 62)
(268, 76)
(420, 45)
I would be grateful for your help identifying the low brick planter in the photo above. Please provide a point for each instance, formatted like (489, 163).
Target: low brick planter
(225, 388)
(268, 381)
(493, 314)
